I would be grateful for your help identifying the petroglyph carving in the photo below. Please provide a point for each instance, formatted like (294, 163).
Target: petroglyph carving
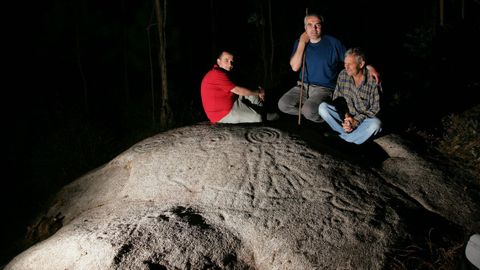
(148, 146)
(214, 140)
(154, 143)
(263, 135)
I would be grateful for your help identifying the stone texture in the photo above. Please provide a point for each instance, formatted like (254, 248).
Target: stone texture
(246, 197)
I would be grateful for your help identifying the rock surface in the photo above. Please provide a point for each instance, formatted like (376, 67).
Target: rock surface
(247, 197)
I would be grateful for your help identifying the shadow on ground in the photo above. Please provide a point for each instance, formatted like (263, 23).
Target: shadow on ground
(321, 137)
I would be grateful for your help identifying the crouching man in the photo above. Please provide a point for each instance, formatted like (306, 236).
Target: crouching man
(356, 101)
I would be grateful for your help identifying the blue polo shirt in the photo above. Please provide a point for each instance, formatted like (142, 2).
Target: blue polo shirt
(323, 61)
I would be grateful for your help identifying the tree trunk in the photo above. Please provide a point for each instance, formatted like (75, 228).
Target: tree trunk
(462, 8)
(261, 25)
(152, 85)
(165, 111)
(79, 61)
(265, 36)
(442, 11)
(213, 28)
(126, 88)
(270, 30)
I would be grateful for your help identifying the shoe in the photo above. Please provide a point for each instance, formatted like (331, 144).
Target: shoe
(330, 134)
(272, 116)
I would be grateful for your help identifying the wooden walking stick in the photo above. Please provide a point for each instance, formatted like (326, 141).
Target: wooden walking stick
(301, 90)
(301, 86)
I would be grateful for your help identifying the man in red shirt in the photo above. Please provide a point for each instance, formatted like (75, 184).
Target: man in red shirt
(225, 102)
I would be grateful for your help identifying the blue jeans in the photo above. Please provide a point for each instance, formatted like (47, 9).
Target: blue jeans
(367, 128)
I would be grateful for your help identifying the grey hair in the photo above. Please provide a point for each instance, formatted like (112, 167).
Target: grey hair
(320, 17)
(358, 53)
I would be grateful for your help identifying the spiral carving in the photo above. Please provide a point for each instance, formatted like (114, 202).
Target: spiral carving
(263, 135)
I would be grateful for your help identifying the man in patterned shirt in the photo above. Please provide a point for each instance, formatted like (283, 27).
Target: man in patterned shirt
(356, 120)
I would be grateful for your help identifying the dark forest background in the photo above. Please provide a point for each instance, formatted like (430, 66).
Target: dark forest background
(82, 78)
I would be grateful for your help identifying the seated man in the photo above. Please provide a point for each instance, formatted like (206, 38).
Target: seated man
(356, 121)
(225, 102)
(323, 55)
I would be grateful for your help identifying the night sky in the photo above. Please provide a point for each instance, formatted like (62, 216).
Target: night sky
(78, 75)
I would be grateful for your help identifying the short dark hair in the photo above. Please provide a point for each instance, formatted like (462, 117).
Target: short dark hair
(220, 52)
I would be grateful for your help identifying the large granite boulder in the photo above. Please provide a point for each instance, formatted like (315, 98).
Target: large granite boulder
(247, 197)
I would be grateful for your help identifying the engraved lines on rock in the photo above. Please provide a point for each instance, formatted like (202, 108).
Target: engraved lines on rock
(194, 164)
(263, 183)
(266, 184)
(344, 208)
(171, 138)
(153, 144)
(260, 182)
(251, 189)
(263, 135)
(193, 167)
(214, 140)
(352, 198)
(339, 200)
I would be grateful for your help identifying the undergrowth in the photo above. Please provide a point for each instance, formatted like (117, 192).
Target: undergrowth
(458, 139)
(435, 252)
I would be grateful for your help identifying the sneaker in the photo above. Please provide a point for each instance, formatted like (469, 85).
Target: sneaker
(329, 133)
(272, 116)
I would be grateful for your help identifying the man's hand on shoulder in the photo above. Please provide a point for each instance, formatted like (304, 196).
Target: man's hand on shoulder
(374, 74)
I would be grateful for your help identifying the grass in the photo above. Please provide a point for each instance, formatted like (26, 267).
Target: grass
(461, 139)
(458, 139)
(435, 252)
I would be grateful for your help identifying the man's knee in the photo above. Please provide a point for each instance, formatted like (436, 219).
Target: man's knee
(323, 109)
(249, 99)
(282, 105)
(310, 111)
(375, 125)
